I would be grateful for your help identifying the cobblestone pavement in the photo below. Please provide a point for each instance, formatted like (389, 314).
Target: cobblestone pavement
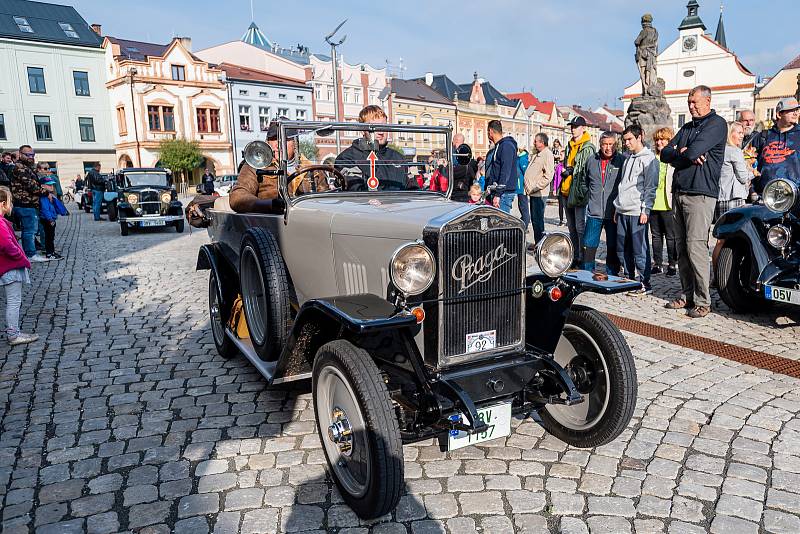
(123, 418)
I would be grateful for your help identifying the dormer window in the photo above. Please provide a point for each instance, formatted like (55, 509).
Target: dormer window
(22, 24)
(178, 73)
(68, 30)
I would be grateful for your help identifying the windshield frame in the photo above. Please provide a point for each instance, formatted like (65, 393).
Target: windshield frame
(126, 182)
(311, 127)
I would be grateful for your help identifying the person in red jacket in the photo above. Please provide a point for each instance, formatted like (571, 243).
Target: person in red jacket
(14, 266)
(439, 178)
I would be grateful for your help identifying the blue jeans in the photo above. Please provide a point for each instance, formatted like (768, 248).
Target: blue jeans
(29, 220)
(537, 217)
(522, 203)
(507, 201)
(591, 240)
(632, 243)
(97, 203)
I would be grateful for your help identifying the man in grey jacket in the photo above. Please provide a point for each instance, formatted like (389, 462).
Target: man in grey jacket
(602, 177)
(637, 192)
(538, 176)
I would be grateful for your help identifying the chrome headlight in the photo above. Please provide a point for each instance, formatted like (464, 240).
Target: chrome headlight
(778, 236)
(132, 198)
(412, 268)
(780, 195)
(554, 254)
(166, 197)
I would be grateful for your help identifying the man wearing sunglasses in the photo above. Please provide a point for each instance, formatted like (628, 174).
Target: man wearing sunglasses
(26, 190)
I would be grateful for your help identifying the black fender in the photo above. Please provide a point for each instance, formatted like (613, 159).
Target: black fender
(747, 226)
(209, 258)
(545, 318)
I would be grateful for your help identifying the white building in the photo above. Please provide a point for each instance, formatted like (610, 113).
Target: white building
(161, 92)
(694, 58)
(52, 90)
(257, 97)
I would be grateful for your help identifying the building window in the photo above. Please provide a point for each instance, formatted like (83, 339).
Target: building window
(373, 96)
(36, 80)
(208, 120)
(43, 130)
(330, 92)
(242, 92)
(68, 30)
(179, 73)
(263, 94)
(81, 81)
(318, 91)
(681, 119)
(282, 96)
(300, 114)
(263, 118)
(346, 95)
(122, 122)
(161, 118)
(356, 96)
(244, 118)
(283, 112)
(86, 125)
(22, 24)
(2, 126)
(301, 98)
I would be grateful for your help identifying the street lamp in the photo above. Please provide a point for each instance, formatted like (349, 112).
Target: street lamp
(133, 72)
(337, 114)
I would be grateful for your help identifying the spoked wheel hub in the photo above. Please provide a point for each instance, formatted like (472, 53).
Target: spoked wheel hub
(583, 372)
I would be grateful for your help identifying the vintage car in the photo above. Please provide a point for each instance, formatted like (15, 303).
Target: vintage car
(85, 199)
(147, 198)
(759, 263)
(416, 317)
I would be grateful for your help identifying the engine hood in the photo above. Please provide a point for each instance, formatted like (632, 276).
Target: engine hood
(395, 216)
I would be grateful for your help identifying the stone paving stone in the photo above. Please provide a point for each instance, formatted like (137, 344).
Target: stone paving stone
(608, 525)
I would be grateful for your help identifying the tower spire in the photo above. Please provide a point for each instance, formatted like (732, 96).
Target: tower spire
(719, 37)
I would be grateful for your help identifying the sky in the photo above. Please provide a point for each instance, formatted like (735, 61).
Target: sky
(573, 51)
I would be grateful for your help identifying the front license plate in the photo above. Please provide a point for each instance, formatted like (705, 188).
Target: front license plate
(782, 294)
(481, 341)
(156, 222)
(497, 419)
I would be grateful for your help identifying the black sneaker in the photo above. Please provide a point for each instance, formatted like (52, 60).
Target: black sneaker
(641, 292)
(671, 271)
(55, 256)
(656, 269)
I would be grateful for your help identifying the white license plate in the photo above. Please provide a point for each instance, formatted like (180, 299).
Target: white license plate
(498, 425)
(481, 341)
(157, 222)
(782, 294)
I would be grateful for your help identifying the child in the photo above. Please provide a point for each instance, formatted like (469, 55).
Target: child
(475, 194)
(14, 267)
(49, 210)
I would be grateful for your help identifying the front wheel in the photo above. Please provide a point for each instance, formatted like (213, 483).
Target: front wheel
(179, 226)
(358, 428)
(599, 361)
(733, 280)
(67, 198)
(123, 228)
(218, 317)
(112, 211)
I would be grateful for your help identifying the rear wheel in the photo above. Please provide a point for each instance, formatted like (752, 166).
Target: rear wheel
(358, 428)
(597, 357)
(123, 228)
(218, 317)
(734, 266)
(112, 211)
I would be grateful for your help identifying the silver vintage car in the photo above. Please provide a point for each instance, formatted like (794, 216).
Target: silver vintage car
(416, 317)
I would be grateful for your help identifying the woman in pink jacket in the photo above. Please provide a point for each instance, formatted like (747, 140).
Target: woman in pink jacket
(14, 267)
(558, 155)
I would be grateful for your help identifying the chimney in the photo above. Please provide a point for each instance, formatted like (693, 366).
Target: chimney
(186, 42)
(98, 29)
(428, 78)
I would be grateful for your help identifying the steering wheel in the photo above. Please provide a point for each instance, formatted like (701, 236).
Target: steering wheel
(339, 180)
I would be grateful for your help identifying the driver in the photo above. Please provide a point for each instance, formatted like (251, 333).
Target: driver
(354, 161)
(259, 194)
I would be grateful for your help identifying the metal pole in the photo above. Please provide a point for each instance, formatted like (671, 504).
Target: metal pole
(132, 72)
(232, 123)
(337, 114)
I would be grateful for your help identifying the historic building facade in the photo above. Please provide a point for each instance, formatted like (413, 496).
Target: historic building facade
(52, 88)
(694, 58)
(159, 92)
(785, 83)
(413, 102)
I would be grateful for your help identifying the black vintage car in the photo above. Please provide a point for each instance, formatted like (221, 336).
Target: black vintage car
(147, 198)
(759, 263)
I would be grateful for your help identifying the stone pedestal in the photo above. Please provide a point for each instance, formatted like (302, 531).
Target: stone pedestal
(650, 111)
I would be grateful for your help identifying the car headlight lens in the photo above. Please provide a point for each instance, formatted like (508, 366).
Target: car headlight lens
(132, 198)
(780, 195)
(412, 269)
(554, 254)
(778, 236)
(166, 197)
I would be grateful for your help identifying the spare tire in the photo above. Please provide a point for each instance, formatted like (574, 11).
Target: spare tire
(265, 293)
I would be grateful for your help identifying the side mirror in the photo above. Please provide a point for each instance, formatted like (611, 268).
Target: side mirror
(258, 155)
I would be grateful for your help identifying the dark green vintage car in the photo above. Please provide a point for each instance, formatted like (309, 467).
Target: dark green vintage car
(148, 199)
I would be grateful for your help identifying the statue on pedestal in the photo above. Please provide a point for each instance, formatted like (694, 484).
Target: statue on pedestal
(649, 110)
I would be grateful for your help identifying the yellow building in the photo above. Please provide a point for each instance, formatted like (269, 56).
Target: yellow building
(414, 102)
(784, 84)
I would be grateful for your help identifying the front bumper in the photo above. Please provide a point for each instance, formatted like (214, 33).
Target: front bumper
(163, 220)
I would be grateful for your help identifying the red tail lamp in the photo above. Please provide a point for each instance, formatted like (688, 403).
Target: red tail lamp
(555, 293)
(419, 314)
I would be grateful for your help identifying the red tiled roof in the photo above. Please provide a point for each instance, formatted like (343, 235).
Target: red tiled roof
(793, 64)
(546, 108)
(237, 72)
(528, 99)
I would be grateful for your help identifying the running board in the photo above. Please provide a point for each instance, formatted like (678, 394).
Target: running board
(267, 369)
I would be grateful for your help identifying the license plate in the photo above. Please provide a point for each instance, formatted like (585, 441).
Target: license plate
(481, 341)
(782, 294)
(157, 222)
(498, 425)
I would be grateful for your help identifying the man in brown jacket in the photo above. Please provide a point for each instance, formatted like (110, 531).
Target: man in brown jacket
(259, 194)
(537, 182)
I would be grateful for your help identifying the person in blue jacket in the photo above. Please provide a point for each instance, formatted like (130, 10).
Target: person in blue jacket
(777, 148)
(501, 166)
(50, 207)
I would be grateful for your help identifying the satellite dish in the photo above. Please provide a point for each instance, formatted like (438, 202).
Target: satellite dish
(258, 154)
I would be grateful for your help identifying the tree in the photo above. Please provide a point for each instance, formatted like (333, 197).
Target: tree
(180, 156)
(309, 150)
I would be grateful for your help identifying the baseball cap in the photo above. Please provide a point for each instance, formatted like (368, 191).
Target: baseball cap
(49, 182)
(787, 104)
(272, 129)
(577, 121)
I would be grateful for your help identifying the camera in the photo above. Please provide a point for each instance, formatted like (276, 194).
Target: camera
(567, 172)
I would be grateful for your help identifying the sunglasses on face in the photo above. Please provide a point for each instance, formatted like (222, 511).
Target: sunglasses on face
(29, 154)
